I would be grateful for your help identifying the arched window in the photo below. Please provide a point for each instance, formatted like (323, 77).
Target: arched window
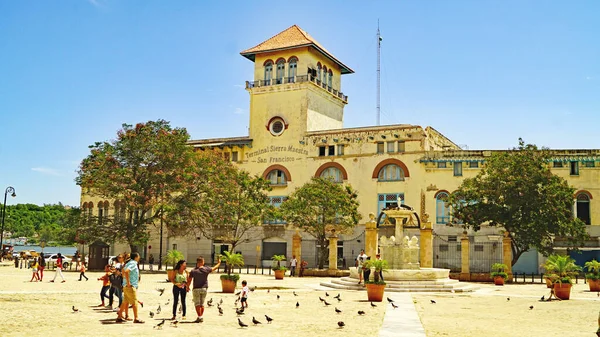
(292, 65)
(442, 208)
(333, 173)
(277, 177)
(268, 72)
(391, 172)
(319, 69)
(330, 84)
(324, 79)
(583, 208)
(280, 71)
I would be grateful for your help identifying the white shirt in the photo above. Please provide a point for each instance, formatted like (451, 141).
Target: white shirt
(293, 262)
(361, 259)
(245, 291)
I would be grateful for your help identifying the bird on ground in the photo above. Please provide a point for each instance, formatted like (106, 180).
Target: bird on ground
(242, 323)
(394, 306)
(277, 296)
(338, 311)
(543, 297)
(238, 293)
(508, 298)
(221, 302)
(531, 307)
(321, 299)
(373, 305)
(338, 296)
(294, 293)
(390, 300)
(297, 305)
(326, 294)
(168, 301)
(433, 302)
(341, 324)
(158, 310)
(220, 311)
(252, 289)
(74, 309)
(268, 291)
(339, 299)
(160, 325)
(151, 314)
(174, 323)
(210, 302)
(254, 321)
(161, 291)
(239, 311)
(360, 312)
(598, 294)
(326, 303)
(269, 319)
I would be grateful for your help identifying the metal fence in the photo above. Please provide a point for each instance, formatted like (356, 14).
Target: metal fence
(483, 254)
(446, 254)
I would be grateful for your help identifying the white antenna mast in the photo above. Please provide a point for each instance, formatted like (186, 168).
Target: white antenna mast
(378, 75)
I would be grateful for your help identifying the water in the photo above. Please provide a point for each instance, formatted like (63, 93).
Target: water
(65, 250)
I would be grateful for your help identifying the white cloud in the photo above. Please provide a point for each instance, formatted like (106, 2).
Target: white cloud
(46, 170)
(589, 78)
(239, 111)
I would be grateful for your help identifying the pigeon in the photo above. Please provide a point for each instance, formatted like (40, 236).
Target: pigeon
(543, 297)
(531, 307)
(508, 298)
(239, 311)
(297, 305)
(341, 324)
(294, 293)
(338, 311)
(277, 296)
(598, 294)
(360, 312)
(252, 289)
(168, 301)
(373, 305)
(220, 311)
(254, 321)
(238, 293)
(269, 319)
(221, 302)
(326, 294)
(174, 323)
(210, 302)
(74, 309)
(161, 291)
(394, 306)
(268, 291)
(158, 310)
(339, 299)
(321, 299)
(159, 325)
(326, 303)
(151, 314)
(338, 296)
(390, 300)
(242, 323)
(433, 302)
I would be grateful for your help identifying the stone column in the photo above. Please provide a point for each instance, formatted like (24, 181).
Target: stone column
(333, 240)
(507, 255)
(297, 247)
(426, 248)
(465, 274)
(371, 239)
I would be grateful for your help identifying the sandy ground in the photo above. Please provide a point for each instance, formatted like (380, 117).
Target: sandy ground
(37, 309)
(488, 312)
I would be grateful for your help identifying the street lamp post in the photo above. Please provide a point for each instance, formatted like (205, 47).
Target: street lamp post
(10, 190)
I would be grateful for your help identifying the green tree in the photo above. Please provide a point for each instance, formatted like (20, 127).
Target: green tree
(320, 205)
(222, 202)
(144, 168)
(517, 191)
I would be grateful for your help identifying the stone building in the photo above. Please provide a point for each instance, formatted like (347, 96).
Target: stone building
(296, 132)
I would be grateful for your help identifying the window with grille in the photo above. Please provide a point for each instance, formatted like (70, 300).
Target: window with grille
(478, 248)
(277, 177)
(441, 164)
(388, 200)
(557, 164)
(275, 201)
(458, 169)
(583, 208)
(442, 208)
(391, 146)
(333, 173)
(340, 150)
(401, 146)
(589, 164)
(380, 147)
(574, 168)
(391, 172)
(474, 164)
(234, 156)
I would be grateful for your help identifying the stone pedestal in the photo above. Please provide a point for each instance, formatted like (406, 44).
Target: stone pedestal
(297, 247)
(426, 244)
(371, 240)
(400, 254)
(333, 240)
(507, 254)
(465, 274)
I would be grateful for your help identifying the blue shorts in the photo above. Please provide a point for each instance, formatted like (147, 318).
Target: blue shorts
(244, 299)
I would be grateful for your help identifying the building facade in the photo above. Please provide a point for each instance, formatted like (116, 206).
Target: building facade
(296, 132)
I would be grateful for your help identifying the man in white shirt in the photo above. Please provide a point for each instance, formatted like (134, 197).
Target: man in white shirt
(293, 263)
(362, 257)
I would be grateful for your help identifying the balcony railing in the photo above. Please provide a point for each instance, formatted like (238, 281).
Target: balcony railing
(297, 79)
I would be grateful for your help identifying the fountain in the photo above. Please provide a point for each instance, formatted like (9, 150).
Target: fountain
(402, 254)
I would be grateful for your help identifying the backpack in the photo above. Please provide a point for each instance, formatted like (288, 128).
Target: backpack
(116, 281)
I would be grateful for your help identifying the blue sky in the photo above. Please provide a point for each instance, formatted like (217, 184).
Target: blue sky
(482, 72)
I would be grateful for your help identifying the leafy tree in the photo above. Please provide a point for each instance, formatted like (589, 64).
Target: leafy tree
(144, 168)
(516, 190)
(40, 223)
(320, 205)
(173, 256)
(222, 202)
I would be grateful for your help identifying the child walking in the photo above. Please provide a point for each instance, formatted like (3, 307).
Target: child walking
(82, 271)
(34, 270)
(245, 291)
(105, 284)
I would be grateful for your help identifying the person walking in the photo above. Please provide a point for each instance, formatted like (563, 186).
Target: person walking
(199, 276)
(151, 261)
(58, 270)
(34, 271)
(180, 287)
(293, 263)
(82, 270)
(116, 283)
(41, 266)
(105, 284)
(360, 260)
(131, 274)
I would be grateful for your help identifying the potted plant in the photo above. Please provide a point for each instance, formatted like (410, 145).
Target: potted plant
(499, 273)
(562, 269)
(171, 258)
(593, 275)
(375, 288)
(228, 280)
(278, 268)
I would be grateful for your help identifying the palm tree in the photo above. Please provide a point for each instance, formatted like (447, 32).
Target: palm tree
(278, 259)
(379, 266)
(561, 268)
(232, 260)
(173, 256)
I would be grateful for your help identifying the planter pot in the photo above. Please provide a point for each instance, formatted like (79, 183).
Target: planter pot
(562, 291)
(548, 283)
(375, 292)
(499, 280)
(279, 274)
(594, 285)
(228, 286)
